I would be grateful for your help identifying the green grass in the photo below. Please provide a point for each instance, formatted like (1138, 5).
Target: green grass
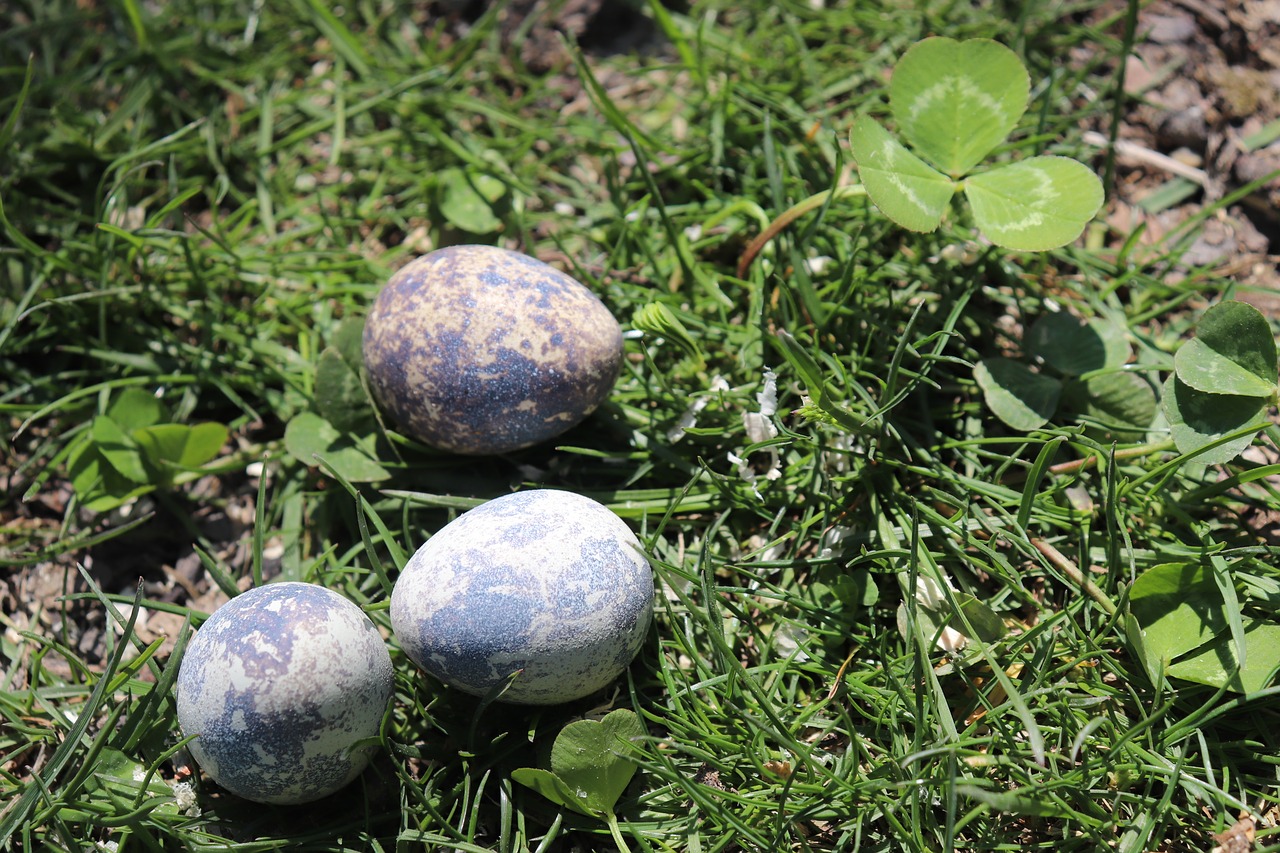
(197, 195)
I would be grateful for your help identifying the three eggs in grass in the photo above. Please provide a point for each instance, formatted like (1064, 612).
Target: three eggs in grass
(539, 597)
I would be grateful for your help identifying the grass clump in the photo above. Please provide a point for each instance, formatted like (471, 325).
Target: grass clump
(889, 619)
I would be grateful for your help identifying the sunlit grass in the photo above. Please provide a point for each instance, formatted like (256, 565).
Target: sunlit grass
(197, 196)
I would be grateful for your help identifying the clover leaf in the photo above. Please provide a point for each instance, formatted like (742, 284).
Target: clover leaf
(132, 450)
(309, 437)
(341, 430)
(1075, 347)
(1224, 381)
(1233, 352)
(954, 101)
(468, 200)
(1186, 631)
(1082, 372)
(1022, 398)
(1036, 204)
(904, 187)
(1198, 420)
(590, 767)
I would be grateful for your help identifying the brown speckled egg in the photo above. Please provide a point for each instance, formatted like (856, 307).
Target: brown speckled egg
(480, 350)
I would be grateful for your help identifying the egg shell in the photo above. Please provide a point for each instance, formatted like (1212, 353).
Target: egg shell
(480, 350)
(548, 583)
(278, 685)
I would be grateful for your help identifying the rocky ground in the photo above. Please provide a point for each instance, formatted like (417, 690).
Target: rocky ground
(1204, 123)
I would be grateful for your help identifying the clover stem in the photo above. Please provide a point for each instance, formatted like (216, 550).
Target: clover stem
(791, 215)
(612, 819)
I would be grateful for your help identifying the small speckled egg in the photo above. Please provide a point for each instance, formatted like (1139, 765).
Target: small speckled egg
(548, 583)
(479, 350)
(278, 685)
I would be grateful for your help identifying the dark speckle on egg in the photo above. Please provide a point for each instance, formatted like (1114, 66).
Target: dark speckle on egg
(278, 685)
(548, 584)
(480, 350)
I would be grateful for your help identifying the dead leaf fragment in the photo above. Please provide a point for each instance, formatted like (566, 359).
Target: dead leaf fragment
(1238, 838)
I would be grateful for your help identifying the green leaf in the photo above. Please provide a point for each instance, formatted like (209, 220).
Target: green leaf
(1179, 608)
(308, 435)
(589, 766)
(590, 757)
(134, 408)
(954, 101)
(467, 200)
(115, 768)
(1075, 347)
(340, 398)
(1233, 352)
(1023, 399)
(804, 364)
(1260, 591)
(1197, 419)
(1138, 648)
(204, 443)
(348, 340)
(84, 468)
(900, 184)
(986, 623)
(552, 787)
(1122, 403)
(119, 450)
(856, 589)
(98, 486)
(1216, 664)
(181, 446)
(657, 319)
(1036, 204)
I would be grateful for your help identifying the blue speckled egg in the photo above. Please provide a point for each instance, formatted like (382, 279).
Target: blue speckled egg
(278, 685)
(479, 350)
(548, 583)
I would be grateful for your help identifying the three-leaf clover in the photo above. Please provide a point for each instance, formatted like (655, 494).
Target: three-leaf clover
(953, 102)
(589, 767)
(1217, 398)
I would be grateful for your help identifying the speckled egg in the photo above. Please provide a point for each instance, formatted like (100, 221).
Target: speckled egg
(278, 685)
(548, 583)
(479, 350)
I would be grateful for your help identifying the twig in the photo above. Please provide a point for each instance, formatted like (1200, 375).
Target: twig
(1134, 151)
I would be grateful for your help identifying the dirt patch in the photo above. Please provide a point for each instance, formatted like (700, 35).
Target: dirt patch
(1205, 123)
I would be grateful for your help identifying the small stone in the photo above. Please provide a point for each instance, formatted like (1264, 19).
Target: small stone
(1175, 28)
(1187, 130)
